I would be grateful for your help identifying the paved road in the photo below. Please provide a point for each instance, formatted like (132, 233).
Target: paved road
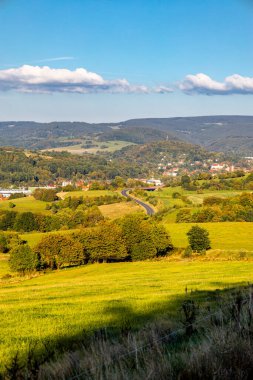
(149, 210)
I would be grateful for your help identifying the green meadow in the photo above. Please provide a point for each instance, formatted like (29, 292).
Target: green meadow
(25, 204)
(63, 304)
(229, 235)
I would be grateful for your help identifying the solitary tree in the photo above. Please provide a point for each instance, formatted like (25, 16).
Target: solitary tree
(198, 239)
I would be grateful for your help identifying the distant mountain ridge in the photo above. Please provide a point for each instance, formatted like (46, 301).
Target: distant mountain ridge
(218, 133)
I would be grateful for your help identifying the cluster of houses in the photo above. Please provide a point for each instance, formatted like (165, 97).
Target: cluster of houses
(182, 166)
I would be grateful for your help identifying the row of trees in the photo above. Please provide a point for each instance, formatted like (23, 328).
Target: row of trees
(133, 238)
(29, 221)
(216, 209)
(75, 202)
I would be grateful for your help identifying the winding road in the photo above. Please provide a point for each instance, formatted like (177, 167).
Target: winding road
(149, 210)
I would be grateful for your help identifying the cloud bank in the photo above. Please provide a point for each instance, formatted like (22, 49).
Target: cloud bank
(43, 79)
(203, 84)
(36, 79)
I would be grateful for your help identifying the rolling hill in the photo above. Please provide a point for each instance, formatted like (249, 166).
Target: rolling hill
(215, 133)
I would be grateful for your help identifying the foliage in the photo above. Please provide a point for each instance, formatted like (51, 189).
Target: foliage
(56, 251)
(187, 252)
(103, 243)
(46, 195)
(17, 196)
(144, 240)
(23, 259)
(217, 209)
(3, 243)
(26, 222)
(198, 239)
(7, 220)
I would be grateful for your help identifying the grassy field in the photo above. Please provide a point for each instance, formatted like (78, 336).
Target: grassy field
(25, 204)
(118, 210)
(230, 235)
(89, 193)
(107, 146)
(63, 304)
(165, 195)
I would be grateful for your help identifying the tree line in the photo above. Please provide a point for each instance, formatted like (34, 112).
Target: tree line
(130, 239)
(216, 209)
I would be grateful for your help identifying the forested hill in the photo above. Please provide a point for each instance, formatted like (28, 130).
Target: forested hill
(32, 135)
(217, 133)
(19, 167)
(155, 153)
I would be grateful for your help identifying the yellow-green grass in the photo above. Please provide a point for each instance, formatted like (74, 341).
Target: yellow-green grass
(4, 266)
(89, 193)
(226, 236)
(111, 146)
(165, 195)
(33, 238)
(117, 210)
(65, 303)
(25, 204)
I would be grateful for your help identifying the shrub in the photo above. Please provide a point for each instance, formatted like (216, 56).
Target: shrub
(198, 239)
(187, 252)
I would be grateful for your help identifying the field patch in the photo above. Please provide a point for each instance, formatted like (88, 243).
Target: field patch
(25, 204)
(88, 194)
(228, 235)
(118, 210)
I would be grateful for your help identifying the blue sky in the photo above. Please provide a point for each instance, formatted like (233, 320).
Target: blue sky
(138, 58)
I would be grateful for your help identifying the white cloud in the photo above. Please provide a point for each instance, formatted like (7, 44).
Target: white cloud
(203, 84)
(163, 90)
(44, 79)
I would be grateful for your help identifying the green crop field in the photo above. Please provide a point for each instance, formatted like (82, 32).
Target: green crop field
(63, 304)
(25, 204)
(229, 235)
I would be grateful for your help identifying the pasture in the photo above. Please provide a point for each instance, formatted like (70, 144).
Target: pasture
(107, 146)
(65, 304)
(226, 236)
(25, 204)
